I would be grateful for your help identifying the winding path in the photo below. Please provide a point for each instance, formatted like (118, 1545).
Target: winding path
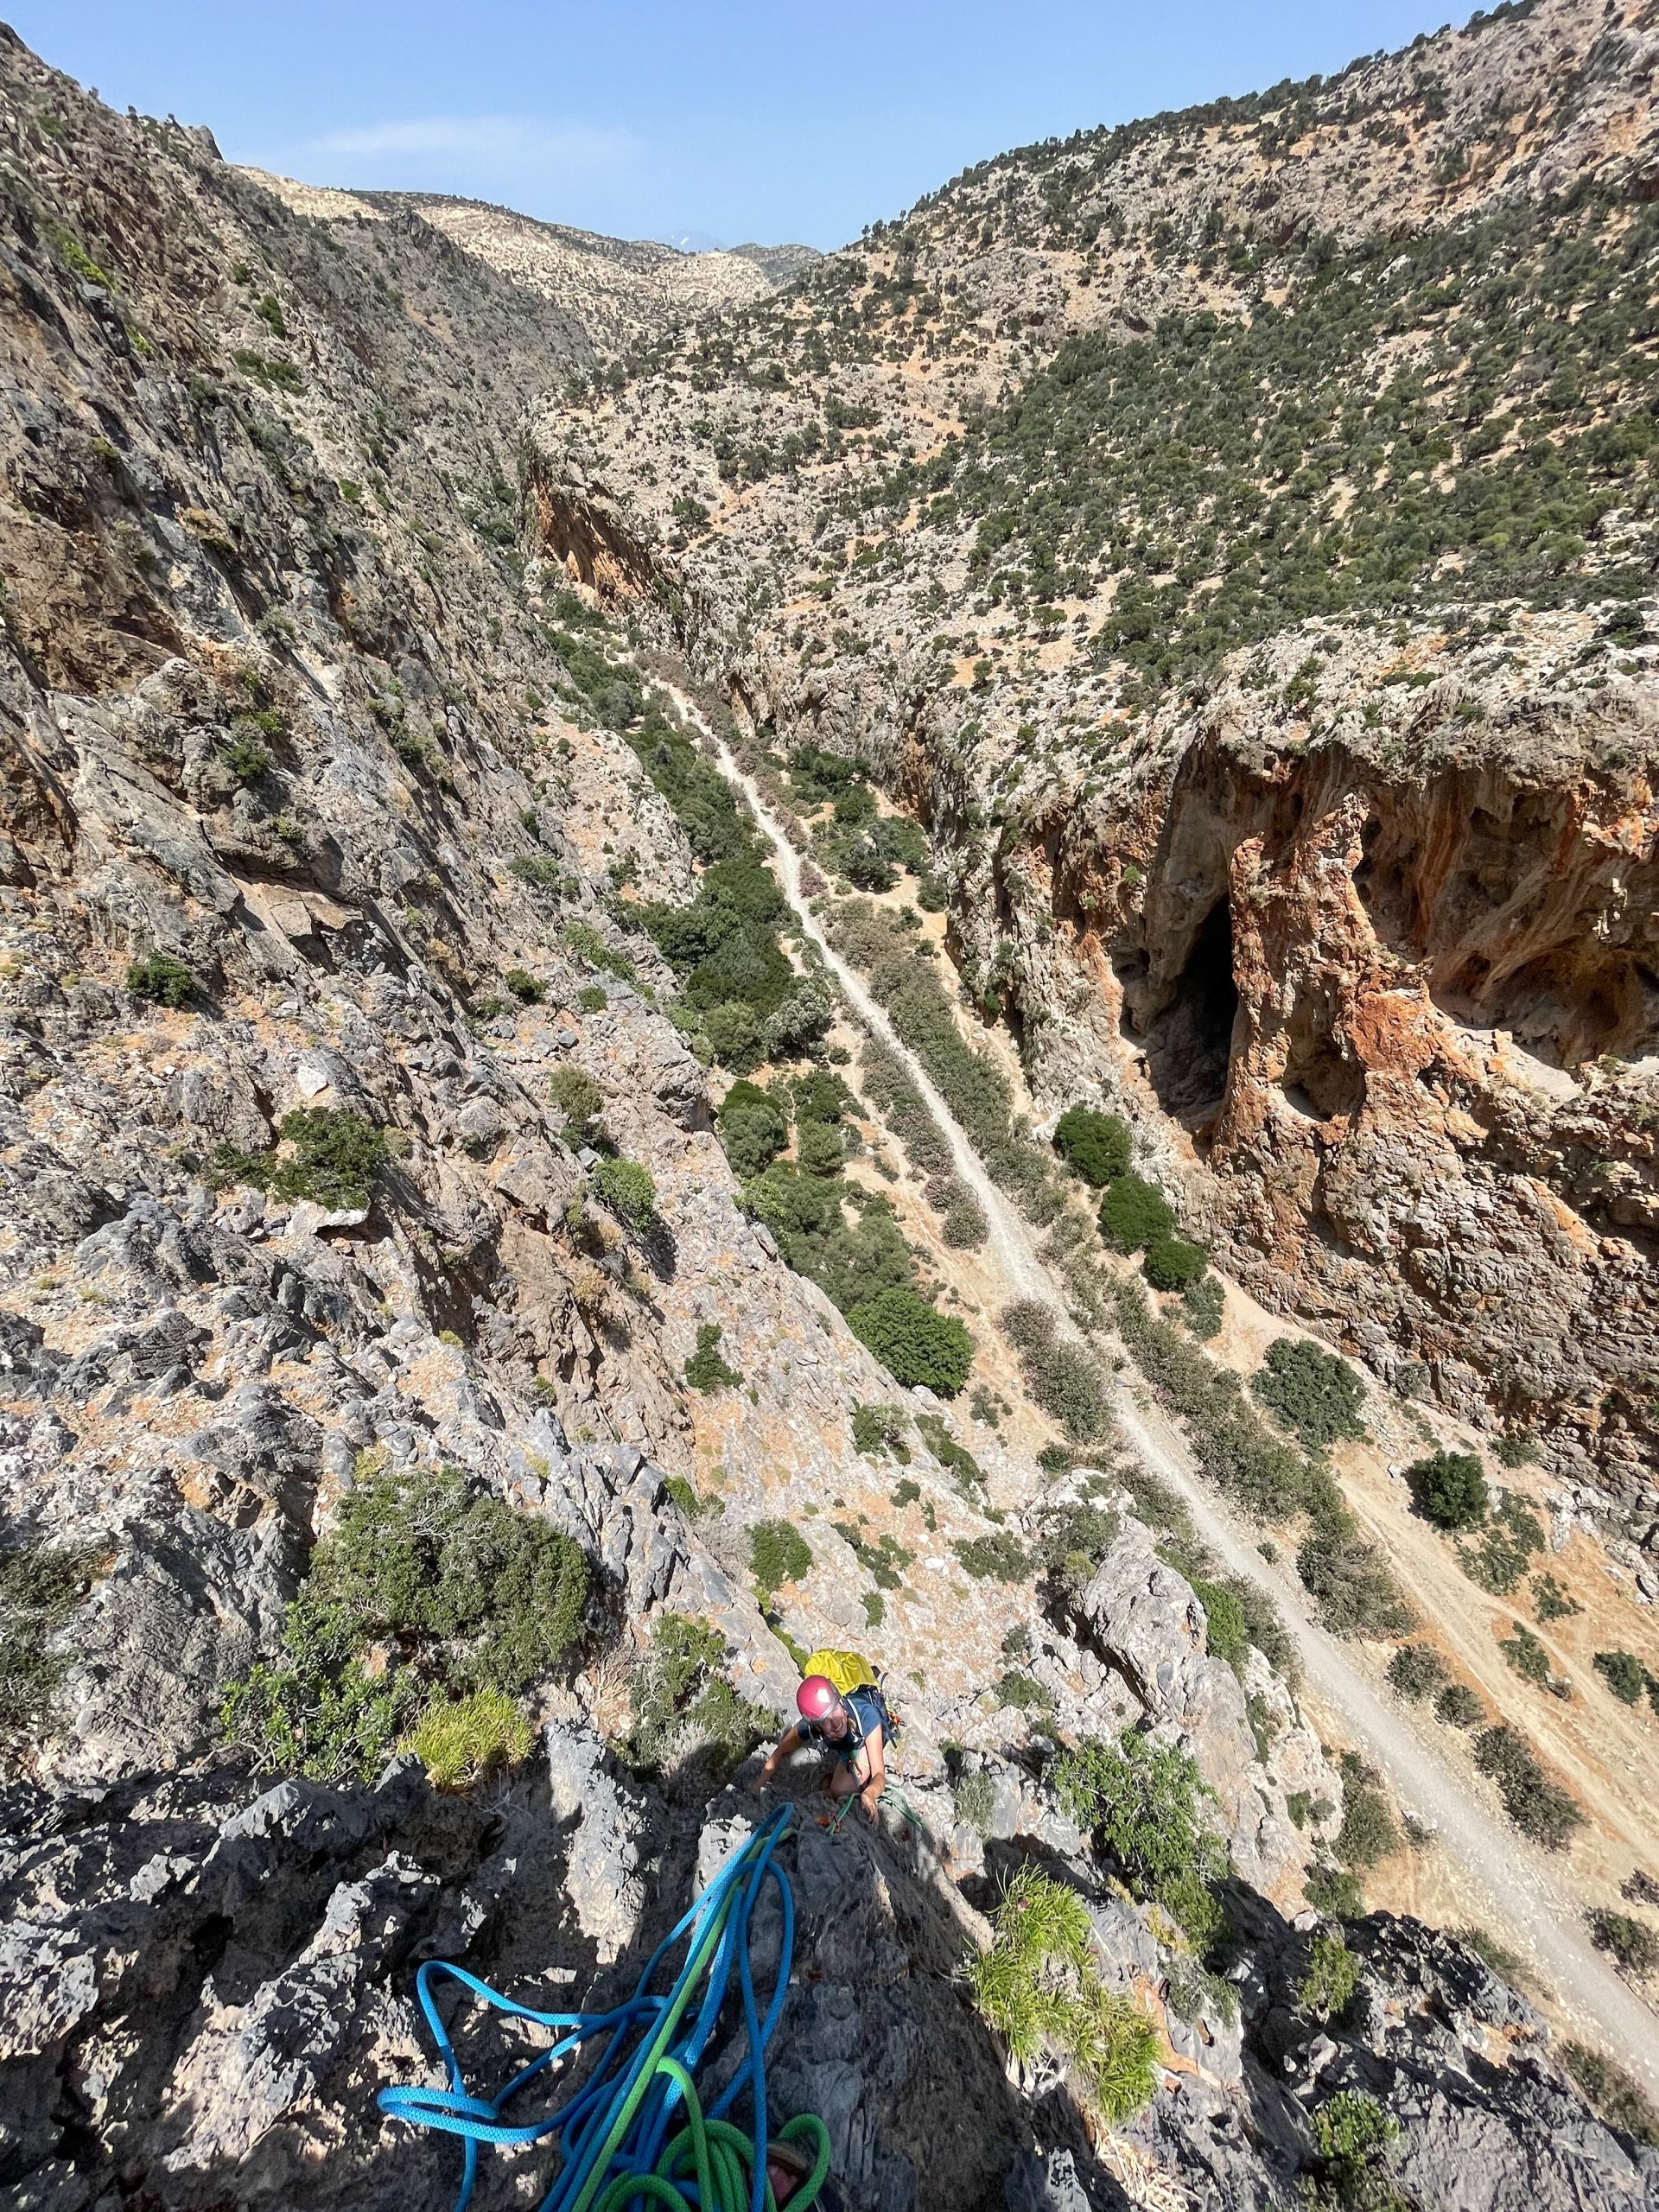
(1511, 1885)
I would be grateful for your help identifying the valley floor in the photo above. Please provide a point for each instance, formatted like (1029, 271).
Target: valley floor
(1466, 1866)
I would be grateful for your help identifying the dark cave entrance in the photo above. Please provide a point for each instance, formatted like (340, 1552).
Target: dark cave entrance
(1189, 1045)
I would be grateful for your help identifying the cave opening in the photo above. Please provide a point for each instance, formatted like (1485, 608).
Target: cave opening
(1190, 1044)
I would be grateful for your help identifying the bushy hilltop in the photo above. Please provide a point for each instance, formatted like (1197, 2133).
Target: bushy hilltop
(622, 291)
(1232, 534)
(422, 1476)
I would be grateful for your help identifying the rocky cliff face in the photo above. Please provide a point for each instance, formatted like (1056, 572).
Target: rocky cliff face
(1167, 516)
(310, 839)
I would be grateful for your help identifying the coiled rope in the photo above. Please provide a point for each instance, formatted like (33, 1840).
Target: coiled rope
(613, 2133)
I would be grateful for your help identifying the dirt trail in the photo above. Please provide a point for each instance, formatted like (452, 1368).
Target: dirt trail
(1511, 1887)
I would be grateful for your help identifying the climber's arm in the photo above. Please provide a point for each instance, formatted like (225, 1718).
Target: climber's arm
(788, 1743)
(874, 1779)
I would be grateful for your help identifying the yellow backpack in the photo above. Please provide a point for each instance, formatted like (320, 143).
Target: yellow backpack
(847, 1670)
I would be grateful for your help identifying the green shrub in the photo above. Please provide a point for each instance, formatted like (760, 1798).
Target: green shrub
(278, 376)
(1350, 1580)
(752, 1129)
(1326, 1990)
(974, 1797)
(161, 979)
(580, 1099)
(820, 1148)
(246, 755)
(883, 1559)
(685, 1713)
(1096, 1144)
(1203, 1305)
(1459, 1706)
(1539, 1808)
(1612, 2093)
(705, 1370)
(1507, 1546)
(963, 1224)
(1624, 1674)
(970, 1475)
(458, 1742)
(1036, 1988)
(1551, 1602)
(540, 870)
(1313, 1391)
(593, 998)
(1369, 1833)
(333, 1157)
(1352, 2137)
(778, 1553)
(587, 944)
(913, 1342)
(446, 1585)
(690, 1503)
(1514, 1451)
(1449, 1489)
(628, 1190)
(1631, 1943)
(996, 1558)
(878, 1432)
(1330, 1890)
(41, 1587)
(1224, 1633)
(524, 986)
(1067, 1382)
(1173, 1263)
(1525, 1653)
(1498, 1955)
(1023, 1693)
(1146, 1804)
(1133, 1214)
(1417, 1670)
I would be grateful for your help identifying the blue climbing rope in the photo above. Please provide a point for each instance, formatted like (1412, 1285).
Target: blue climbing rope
(614, 2135)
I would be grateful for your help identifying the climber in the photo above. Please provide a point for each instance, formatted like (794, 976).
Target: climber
(852, 1724)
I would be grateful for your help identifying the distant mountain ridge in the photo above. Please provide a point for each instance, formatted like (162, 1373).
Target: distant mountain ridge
(623, 289)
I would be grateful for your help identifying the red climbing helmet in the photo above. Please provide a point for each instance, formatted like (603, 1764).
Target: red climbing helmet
(817, 1698)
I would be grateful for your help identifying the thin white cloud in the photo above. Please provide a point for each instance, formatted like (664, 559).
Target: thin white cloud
(519, 142)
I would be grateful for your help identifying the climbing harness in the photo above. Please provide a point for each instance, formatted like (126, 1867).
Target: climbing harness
(613, 2133)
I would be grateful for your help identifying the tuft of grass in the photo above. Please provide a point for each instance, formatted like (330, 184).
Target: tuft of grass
(975, 1798)
(1036, 1988)
(461, 1741)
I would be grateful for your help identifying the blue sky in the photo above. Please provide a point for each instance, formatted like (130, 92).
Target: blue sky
(727, 119)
